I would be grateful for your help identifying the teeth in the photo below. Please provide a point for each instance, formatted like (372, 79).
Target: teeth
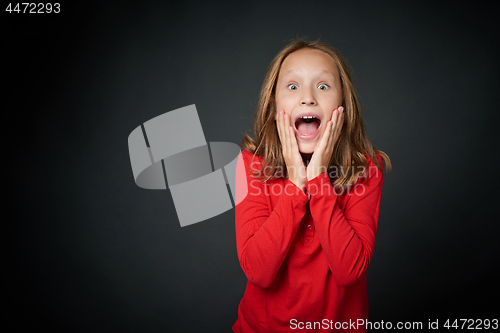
(308, 117)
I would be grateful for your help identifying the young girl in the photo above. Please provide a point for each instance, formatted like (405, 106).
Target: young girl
(305, 231)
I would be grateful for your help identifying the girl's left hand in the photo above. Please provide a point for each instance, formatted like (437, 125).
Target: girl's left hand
(321, 156)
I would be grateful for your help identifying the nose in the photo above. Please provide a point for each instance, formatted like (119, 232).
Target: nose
(307, 99)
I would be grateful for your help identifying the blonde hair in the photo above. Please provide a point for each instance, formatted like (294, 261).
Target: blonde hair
(351, 146)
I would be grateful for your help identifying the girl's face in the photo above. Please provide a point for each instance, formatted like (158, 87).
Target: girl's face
(308, 85)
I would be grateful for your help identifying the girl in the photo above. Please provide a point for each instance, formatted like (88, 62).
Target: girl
(305, 231)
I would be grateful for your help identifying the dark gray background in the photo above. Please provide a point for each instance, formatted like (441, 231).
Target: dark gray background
(91, 251)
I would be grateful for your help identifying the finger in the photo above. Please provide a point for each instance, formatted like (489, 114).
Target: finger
(284, 137)
(326, 137)
(334, 121)
(323, 144)
(338, 128)
(287, 133)
(336, 118)
(278, 126)
(294, 147)
(295, 154)
(339, 124)
(282, 129)
(330, 125)
(331, 137)
(292, 144)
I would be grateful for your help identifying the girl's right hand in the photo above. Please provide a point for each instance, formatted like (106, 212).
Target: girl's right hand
(296, 170)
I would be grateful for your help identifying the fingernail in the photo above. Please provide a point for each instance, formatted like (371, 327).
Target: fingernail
(341, 109)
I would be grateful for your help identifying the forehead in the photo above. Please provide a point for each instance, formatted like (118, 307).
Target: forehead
(308, 60)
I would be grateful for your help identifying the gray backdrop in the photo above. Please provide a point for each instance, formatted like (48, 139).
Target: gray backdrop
(88, 250)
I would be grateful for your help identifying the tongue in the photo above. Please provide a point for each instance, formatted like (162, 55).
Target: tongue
(307, 128)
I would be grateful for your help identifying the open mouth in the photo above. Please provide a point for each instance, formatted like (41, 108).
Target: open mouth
(307, 127)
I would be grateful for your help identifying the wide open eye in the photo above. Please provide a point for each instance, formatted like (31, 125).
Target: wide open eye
(323, 86)
(293, 86)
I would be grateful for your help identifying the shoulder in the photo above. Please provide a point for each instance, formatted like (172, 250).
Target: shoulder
(374, 172)
(371, 162)
(247, 154)
(250, 158)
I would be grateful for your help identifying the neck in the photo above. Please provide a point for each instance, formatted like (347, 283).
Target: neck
(306, 158)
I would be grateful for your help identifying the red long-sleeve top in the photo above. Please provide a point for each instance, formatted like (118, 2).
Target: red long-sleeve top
(305, 254)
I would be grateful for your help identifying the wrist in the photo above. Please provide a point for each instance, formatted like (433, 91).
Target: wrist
(316, 169)
(315, 173)
(300, 184)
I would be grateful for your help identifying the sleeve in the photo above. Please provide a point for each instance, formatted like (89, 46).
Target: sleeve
(263, 237)
(347, 238)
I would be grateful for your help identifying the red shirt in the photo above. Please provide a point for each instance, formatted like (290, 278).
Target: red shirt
(305, 254)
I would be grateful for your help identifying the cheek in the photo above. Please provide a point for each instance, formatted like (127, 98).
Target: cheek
(280, 99)
(331, 102)
(283, 104)
(329, 115)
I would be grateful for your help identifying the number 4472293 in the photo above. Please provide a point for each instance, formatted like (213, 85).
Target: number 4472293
(471, 324)
(34, 8)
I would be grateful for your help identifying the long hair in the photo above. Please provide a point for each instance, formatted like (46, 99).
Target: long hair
(352, 146)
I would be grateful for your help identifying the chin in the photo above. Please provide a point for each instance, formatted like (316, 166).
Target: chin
(307, 149)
